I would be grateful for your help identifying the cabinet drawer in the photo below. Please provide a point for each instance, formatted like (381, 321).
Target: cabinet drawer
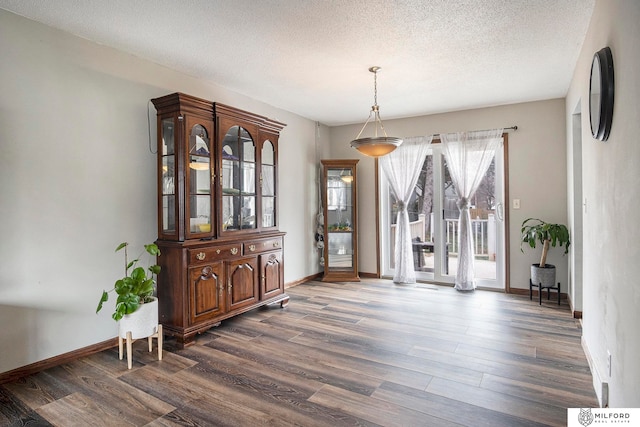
(262, 245)
(216, 253)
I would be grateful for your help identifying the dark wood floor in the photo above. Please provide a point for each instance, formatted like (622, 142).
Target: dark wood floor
(369, 353)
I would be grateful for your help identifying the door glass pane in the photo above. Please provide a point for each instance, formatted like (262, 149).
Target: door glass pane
(200, 214)
(268, 212)
(168, 214)
(267, 182)
(339, 219)
(229, 212)
(482, 210)
(339, 203)
(238, 180)
(451, 216)
(199, 172)
(248, 146)
(421, 216)
(230, 178)
(168, 177)
(168, 174)
(167, 137)
(231, 144)
(268, 178)
(199, 141)
(248, 212)
(199, 180)
(483, 225)
(248, 178)
(267, 153)
(340, 250)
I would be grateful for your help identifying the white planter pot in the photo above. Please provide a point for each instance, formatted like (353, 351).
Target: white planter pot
(141, 323)
(545, 275)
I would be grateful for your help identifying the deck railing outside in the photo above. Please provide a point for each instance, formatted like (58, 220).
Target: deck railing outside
(484, 236)
(483, 230)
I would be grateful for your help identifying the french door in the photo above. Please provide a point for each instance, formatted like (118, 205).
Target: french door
(433, 216)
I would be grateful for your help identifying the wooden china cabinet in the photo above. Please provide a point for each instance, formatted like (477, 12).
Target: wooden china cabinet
(222, 252)
(339, 199)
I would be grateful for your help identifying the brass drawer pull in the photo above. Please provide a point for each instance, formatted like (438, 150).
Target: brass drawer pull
(252, 248)
(276, 244)
(200, 256)
(234, 251)
(218, 251)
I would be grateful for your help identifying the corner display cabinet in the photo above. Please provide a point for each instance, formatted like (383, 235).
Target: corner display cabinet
(222, 252)
(340, 221)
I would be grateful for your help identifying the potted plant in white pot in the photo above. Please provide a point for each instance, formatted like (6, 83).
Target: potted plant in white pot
(537, 231)
(136, 309)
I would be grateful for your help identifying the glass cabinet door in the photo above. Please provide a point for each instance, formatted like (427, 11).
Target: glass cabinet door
(340, 251)
(167, 217)
(238, 180)
(268, 184)
(199, 178)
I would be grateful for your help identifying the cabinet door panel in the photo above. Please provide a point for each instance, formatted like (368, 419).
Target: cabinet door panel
(268, 179)
(242, 287)
(198, 185)
(206, 288)
(238, 177)
(271, 275)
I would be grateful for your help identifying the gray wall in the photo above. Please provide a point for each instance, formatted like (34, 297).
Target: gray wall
(610, 179)
(77, 177)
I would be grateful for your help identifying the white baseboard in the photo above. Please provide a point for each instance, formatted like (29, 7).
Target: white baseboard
(600, 386)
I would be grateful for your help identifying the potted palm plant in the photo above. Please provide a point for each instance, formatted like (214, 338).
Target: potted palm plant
(136, 309)
(536, 231)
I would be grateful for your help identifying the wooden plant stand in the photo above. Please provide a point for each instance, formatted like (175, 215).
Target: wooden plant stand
(130, 341)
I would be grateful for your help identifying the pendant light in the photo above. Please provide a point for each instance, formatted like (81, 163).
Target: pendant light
(375, 146)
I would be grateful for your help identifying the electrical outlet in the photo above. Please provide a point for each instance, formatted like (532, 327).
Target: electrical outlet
(516, 203)
(609, 363)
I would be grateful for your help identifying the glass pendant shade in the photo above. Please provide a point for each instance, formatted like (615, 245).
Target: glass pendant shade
(376, 146)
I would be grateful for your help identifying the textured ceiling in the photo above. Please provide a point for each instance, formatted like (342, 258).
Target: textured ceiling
(311, 57)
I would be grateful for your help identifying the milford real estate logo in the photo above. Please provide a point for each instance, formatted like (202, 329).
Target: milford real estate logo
(585, 417)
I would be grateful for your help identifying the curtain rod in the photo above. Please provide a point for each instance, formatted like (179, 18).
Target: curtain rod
(514, 127)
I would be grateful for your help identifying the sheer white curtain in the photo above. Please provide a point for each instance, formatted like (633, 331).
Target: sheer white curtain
(402, 169)
(468, 156)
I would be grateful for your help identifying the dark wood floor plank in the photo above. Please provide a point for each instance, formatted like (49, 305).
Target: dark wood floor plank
(279, 400)
(412, 363)
(185, 392)
(217, 412)
(38, 389)
(318, 357)
(80, 410)
(311, 365)
(14, 412)
(499, 402)
(130, 402)
(375, 410)
(448, 409)
(540, 374)
(545, 394)
(567, 373)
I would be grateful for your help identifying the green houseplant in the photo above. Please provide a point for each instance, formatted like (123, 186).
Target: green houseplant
(137, 285)
(536, 231)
